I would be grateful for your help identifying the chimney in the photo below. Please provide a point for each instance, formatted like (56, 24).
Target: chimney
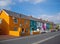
(40, 18)
(30, 16)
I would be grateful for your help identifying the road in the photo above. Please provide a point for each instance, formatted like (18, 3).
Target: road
(55, 40)
(47, 38)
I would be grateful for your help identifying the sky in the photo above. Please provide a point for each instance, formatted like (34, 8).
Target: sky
(44, 9)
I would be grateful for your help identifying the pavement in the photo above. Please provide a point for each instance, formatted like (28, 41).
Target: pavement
(6, 37)
(33, 39)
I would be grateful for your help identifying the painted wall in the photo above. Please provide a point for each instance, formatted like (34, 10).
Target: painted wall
(47, 26)
(39, 25)
(4, 26)
(7, 26)
(51, 26)
(44, 26)
(25, 24)
(33, 24)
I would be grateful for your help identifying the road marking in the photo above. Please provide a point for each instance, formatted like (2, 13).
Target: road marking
(46, 39)
(20, 38)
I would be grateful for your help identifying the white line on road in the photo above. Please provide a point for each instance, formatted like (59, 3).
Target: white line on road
(46, 39)
(20, 38)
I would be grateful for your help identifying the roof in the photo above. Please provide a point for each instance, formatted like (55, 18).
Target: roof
(35, 19)
(18, 15)
(50, 22)
(14, 14)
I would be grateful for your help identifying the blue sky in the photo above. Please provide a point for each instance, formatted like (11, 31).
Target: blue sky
(45, 9)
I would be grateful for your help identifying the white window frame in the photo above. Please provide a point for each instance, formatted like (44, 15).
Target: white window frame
(14, 18)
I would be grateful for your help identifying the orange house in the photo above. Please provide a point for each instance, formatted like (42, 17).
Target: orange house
(15, 24)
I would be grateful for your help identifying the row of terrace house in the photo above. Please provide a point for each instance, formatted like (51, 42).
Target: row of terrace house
(12, 23)
(49, 26)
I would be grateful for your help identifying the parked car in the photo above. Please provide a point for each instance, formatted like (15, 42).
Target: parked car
(53, 30)
(58, 29)
(43, 32)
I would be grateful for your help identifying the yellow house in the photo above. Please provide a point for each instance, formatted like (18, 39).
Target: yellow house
(14, 24)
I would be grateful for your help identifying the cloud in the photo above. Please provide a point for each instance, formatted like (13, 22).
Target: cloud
(54, 18)
(6, 4)
(32, 1)
(37, 1)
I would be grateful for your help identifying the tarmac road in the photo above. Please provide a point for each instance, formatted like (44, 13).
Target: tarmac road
(55, 40)
(35, 39)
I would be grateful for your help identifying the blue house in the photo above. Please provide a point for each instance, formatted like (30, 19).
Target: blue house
(33, 24)
(47, 25)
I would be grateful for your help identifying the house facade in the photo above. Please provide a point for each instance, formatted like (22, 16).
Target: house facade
(39, 25)
(50, 26)
(43, 25)
(14, 24)
(47, 26)
(4, 23)
(33, 24)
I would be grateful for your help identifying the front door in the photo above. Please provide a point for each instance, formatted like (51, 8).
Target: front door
(22, 32)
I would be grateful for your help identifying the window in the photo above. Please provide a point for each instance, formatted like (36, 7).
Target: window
(0, 21)
(15, 29)
(15, 20)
